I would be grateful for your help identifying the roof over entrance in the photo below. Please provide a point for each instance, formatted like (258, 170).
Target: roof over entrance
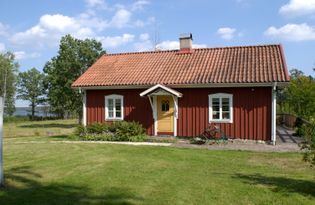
(242, 64)
(155, 88)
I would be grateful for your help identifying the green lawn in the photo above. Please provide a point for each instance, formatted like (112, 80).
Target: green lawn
(59, 173)
(39, 128)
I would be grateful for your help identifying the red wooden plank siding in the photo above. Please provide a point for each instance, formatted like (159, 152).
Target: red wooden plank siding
(136, 108)
(251, 110)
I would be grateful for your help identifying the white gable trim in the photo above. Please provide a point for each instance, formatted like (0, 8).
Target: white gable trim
(169, 90)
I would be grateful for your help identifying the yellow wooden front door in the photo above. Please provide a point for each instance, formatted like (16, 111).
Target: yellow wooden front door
(165, 113)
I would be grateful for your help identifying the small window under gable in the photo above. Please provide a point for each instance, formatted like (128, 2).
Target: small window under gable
(114, 107)
(221, 107)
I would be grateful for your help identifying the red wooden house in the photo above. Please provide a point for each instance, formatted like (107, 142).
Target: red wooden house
(181, 92)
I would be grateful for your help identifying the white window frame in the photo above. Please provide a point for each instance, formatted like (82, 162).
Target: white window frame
(220, 96)
(114, 97)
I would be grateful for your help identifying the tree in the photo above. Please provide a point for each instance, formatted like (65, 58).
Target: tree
(300, 94)
(8, 76)
(30, 87)
(8, 69)
(74, 57)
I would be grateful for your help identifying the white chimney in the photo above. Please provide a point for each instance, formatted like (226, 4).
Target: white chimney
(185, 43)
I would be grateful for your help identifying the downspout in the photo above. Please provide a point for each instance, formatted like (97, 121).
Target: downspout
(274, 114)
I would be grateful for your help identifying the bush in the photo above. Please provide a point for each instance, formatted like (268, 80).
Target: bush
(309, 144)
(117, 131)
(97, 128)
(125, 130)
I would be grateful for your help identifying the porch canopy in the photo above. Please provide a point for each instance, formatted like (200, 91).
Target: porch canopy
(157, 90)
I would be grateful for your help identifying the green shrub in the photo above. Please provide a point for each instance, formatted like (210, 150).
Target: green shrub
(137, 138)
(96, 128)
(125, 130)
(309, 144)
(80, 130)
(108, 136)
(117, 131)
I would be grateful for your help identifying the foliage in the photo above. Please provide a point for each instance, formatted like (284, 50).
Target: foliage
(8, 77)
(299, 95)
(73, 58)
(125, 130)
(309, 145)
(30, 87)
(117, 131)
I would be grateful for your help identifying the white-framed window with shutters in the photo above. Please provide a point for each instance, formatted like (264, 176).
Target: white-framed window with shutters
(221, 108)
(114, 107)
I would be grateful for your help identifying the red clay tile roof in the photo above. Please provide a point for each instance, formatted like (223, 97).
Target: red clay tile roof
(243, 64)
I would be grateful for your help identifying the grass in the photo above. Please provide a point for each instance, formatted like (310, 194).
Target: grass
(59, 173)
(39, 128)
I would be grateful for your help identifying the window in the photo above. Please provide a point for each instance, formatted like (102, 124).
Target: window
(165, 105)
(221, 107)
(114, 109)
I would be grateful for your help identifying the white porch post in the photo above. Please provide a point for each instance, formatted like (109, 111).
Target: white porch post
(274, 114)
(154, 109)
(84, 107)
(175, 100)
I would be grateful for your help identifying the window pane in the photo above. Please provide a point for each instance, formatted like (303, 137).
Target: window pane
(215, 115)
(225, 104)
(110, 114)
(118, 107)
(215, 104)
(118, 113)
(110, 107)
(118, 104)
(110, 104)
(226, 115)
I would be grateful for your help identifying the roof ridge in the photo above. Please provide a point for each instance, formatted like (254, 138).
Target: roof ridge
(176, 50)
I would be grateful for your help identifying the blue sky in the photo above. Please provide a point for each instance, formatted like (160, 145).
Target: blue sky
(32, 29)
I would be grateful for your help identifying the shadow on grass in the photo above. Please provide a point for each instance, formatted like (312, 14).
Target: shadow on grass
(280, 184)
(51, 125)
(23, 187)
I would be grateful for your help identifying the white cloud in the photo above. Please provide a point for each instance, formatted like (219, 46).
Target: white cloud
(144, 44)
(226, 33)
(88, 24)
(23, 55)
(95, 3)
(2, 47)
(115, 41)
(139, 5)
(174, 45)
(121, 18)
(144, 36)
(292, 32)
(49, 31)
(298, 7)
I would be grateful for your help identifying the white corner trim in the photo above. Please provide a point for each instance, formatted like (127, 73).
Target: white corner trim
(170, 90)
(274, 114)
(84, 108)
(114, 97)
(220, 96)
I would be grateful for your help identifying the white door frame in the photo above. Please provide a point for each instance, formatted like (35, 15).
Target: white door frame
(155, 116)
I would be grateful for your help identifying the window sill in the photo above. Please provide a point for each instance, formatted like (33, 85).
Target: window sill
(220, 121)
(114, 119)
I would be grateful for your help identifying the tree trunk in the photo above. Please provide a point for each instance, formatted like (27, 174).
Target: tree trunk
(33, 110)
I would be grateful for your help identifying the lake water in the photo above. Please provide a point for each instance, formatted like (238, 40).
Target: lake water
(39, 111)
